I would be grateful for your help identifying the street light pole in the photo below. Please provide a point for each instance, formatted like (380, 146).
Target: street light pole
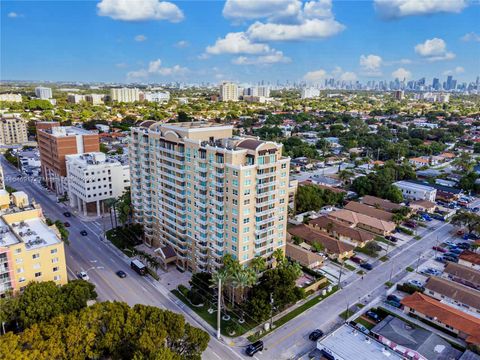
(219, 305)
(271, 311)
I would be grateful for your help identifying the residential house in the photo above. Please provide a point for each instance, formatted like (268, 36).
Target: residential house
(334, 248)
(413, 191)
(465, 326)
(423, 206)
(380, 203)
(341, 232)
(303, 256)
(413, 342)
(453, 292)
(365, 222)
(419, 162)
(462, 274)
(470, 259)
(369, 210)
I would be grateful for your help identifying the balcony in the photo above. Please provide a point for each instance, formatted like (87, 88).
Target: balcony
(265, 203)
(266, 184)
(265, 212)
(266, 193)
(266, 175)
(266, 221)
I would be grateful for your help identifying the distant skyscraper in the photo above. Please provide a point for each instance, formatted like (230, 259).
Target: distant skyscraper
(399, 94)
(43, 92)
(125, 94)
(449, 82)
(436, 84)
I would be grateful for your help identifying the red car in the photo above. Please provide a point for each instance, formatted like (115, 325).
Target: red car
(460, 232)
(356, 260)
(439, 249)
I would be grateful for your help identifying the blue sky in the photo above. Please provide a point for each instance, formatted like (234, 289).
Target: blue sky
(245, 41)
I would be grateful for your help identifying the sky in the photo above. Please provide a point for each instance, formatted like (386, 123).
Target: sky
(246, 41)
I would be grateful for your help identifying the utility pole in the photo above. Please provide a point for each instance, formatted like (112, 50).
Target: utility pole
(340, 276)
(271, 311)
(219, 306)
(103, 221)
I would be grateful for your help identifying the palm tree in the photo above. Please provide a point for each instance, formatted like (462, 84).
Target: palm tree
(346, 176)
(258, 264)
(218, 278)
(278, 256)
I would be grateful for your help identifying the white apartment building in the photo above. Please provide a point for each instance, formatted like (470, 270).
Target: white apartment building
(157, 97)
(94, 99)
(229, 91)
(75, 98)
(13, 130)
(11, 97)
(125, 94)
(261, 91)
(309, 92)
(43, 93)
(414, 191)
(93, 178)
(206, 193)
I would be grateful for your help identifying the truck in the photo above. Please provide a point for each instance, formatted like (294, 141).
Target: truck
(138, 267)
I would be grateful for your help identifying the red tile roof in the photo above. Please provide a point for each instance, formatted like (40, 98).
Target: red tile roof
(471, 257)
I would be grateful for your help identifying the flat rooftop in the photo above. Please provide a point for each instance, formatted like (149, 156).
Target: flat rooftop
(35, 233)
(7, 238)
(346, 343)
(62, 131)
(412, 185)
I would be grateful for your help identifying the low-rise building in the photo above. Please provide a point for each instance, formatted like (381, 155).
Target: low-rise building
(380, 203)
(93, 178)
(303, 256)
(365, 222)
(95, 99)
(13, 130)
(11, 97)
(413, 191)
(332, 247)
(358, 237)
(453, 292)
(423, 206)
(419, 162)
(462, 274)
(30, 250)
(465, 326)
(470, 259)
(369, 211)
(75, 98)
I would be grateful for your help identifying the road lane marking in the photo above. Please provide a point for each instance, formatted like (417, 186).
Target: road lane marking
(294, 331)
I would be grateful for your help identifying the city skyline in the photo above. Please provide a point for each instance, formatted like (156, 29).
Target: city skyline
(112, 41)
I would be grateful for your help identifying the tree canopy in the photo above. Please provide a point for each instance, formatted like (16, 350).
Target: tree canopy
(312, 197)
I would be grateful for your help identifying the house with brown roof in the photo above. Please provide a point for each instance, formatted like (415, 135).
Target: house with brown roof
(365, 222)
(303, 256)
(380, 203)
(423, 206)
(463, 275)
(465, 326)
(355, 236)
(453, 292)
(334, 248)
(470, 259)
(369, 210)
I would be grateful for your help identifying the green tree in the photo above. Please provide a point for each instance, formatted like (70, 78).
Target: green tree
(468, 219)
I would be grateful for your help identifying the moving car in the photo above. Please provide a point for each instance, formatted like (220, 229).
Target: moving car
(83, 275)
(121, 274)
(366, 266)
(83, 233)
(252, 349)
(315, 335)
(67, 214)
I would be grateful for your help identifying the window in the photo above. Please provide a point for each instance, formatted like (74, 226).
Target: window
(22, 279)
(246, 192)
(57, 277)
(20, 270)
(54, 260)
(36, 266)
(18, 251)
(235, 173)
(18, 260)
(246, 229)
(38, 274)
(55, 269)
(246, 220)
(35, 256)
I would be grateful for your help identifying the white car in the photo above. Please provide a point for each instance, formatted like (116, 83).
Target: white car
(415, 283)
(83, 275)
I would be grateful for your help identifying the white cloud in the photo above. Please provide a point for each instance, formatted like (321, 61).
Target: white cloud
(307, 29)
(182, 44)
(321, 9)
(434, 50)
(237, 43)
(140, 38)
(391, 9)
(13, 15)
(401, 74)
(155, 68)
(471, 36)
(273, 10)
(348, 76)
(140, 10)
(457, 70)
(273, 58)
(315, 76)
(371, 65)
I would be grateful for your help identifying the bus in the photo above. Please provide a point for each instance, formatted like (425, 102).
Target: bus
(138, 267)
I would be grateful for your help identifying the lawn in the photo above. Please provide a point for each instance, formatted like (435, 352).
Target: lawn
(349, 267)
(365, 323)
(121, 240)
(384, 258)
(385, 241)
(409, 269)
(347, 313)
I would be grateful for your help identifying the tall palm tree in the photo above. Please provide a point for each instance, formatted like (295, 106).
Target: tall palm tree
(278, 256)
(258, 264)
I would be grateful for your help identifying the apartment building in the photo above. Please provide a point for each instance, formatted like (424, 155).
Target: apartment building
(30, 250)
(125, 94)
(157, 97)
(229, 91)
(414, 191)
(11, 97)
(207, 193)
(43, 93)
(13, 130)
(93, 178)
(54, 143)
(94, 99)
(75, 98)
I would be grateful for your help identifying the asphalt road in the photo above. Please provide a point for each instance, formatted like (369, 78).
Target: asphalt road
(101, 260)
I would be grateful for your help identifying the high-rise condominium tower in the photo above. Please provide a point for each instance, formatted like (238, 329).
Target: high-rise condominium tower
(207, 193)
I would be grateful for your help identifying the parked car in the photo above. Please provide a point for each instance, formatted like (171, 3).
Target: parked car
(84, 233)
(415, 283)
(83, 275)
(441, 259)
(66, 224)
(450, 243)
(463, 246)
(475, 209)
(456, 251)
(460, 232)
(366, 266)
(392, 297)
(394, 303)
(372, 315)
(439, 249)
(315, 335)
(356, 260)
(454, 259)
(252, 349)
(411, 224)
(426, 217)
(391, 238)
(67, 214)
(121, 274)
(363, 329)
